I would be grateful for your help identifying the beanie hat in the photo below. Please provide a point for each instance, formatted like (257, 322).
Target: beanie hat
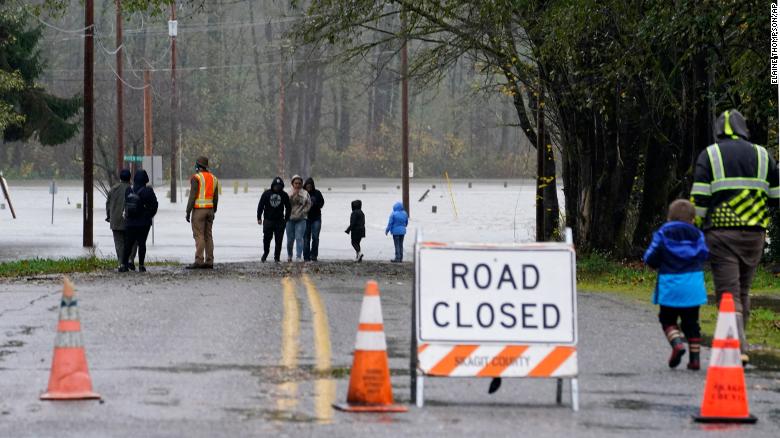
(124, 175)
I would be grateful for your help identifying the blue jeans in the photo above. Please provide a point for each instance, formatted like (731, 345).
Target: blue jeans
(295, 231)
(398, 241)
(311, 239)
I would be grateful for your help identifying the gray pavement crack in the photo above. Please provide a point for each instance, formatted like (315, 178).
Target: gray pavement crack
(30, 304)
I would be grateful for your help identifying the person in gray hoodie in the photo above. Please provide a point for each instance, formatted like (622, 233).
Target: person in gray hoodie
(115, 208)
(300, 203)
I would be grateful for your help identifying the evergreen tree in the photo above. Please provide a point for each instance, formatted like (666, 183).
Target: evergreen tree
(26, 109)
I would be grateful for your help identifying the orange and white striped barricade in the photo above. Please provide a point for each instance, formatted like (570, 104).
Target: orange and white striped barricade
(494, 311)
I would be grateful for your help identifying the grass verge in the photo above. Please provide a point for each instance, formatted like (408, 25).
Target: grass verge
(37, 266)
(598, 274)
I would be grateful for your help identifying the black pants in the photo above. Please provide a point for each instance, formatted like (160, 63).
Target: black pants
(688, 316)
(356, 243)
(137, 236)
(275, 231)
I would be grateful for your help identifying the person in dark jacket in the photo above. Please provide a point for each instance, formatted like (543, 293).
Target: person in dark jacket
(138, 223)
(357, 228)
(735, 186)
(115, 209)
(678, 251)
(275, 205)
(311, 237)
(396, 225)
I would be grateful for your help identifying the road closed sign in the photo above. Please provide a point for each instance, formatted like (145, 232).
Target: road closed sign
(506, 295)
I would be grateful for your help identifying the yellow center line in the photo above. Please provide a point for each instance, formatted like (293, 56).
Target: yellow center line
(290, 339)
(324, 388)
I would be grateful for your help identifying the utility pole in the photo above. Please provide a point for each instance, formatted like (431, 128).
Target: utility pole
(280, 127)
(172, 30)
(120, 115)
(405, 117)
(540, 157)
(148, 113)
(89, 119)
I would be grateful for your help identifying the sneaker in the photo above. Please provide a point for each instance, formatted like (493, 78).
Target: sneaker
(131, 266)
(289, 259)
(123, 269)
(264, 257)
(141, 268)
(360, 257)
(314, 259)
(193, 266)
(678, 350)
(207, 266)
(494, 385)
(694, 365)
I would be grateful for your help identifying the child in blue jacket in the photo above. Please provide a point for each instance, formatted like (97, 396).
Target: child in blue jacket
(397, 226)
(678, 251)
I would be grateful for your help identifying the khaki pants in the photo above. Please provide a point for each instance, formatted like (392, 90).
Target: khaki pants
(202, 219)
(734, 256)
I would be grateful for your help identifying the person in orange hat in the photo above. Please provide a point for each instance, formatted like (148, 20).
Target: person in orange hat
(202, 206)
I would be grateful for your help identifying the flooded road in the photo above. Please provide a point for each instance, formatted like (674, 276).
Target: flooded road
(255, 350)
(474, 210)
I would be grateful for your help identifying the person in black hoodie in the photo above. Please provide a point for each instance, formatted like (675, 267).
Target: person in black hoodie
(311, 237)
(275, 203)
(140, 208)
(357, 226)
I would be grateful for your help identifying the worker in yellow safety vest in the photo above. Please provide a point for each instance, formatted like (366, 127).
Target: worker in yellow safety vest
(734, 185)
(202, 205)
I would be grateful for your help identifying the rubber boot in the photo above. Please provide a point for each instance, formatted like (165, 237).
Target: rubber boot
(694, 345)
(678, 345)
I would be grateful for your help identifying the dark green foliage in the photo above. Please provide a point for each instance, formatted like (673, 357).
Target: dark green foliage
(33, 111)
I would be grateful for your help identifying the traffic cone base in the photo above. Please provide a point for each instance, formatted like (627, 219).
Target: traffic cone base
(69, 378)
(725, 394)
(369, 380)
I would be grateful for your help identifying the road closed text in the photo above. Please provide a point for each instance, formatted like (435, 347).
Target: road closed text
(496, 296)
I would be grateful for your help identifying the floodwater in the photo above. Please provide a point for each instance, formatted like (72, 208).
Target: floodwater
(486, 212)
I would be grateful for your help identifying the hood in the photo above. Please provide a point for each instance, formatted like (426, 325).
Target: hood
(398, 207)
(277, 182)
(678, 236)
(294, 178)
(309, 180)
(731, 124)
(357, 204)
(141, 178)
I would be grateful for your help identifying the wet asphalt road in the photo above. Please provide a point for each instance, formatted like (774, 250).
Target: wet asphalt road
(240, 352)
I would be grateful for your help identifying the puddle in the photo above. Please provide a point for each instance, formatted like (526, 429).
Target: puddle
(629, 404)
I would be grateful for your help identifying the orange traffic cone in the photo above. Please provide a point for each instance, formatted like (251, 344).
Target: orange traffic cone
(369, 381)
(725, 396)
(69, 379)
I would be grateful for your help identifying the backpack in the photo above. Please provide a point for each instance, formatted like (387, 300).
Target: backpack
(133, 204)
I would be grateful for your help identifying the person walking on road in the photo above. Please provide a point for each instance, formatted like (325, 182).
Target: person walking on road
(734, 184)
(115, 216)
(202, 205)
(273, 212)
(311, 237)
(357, 228)
(678, 252)
(396, 225)
(300, 203)
(140, 208)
